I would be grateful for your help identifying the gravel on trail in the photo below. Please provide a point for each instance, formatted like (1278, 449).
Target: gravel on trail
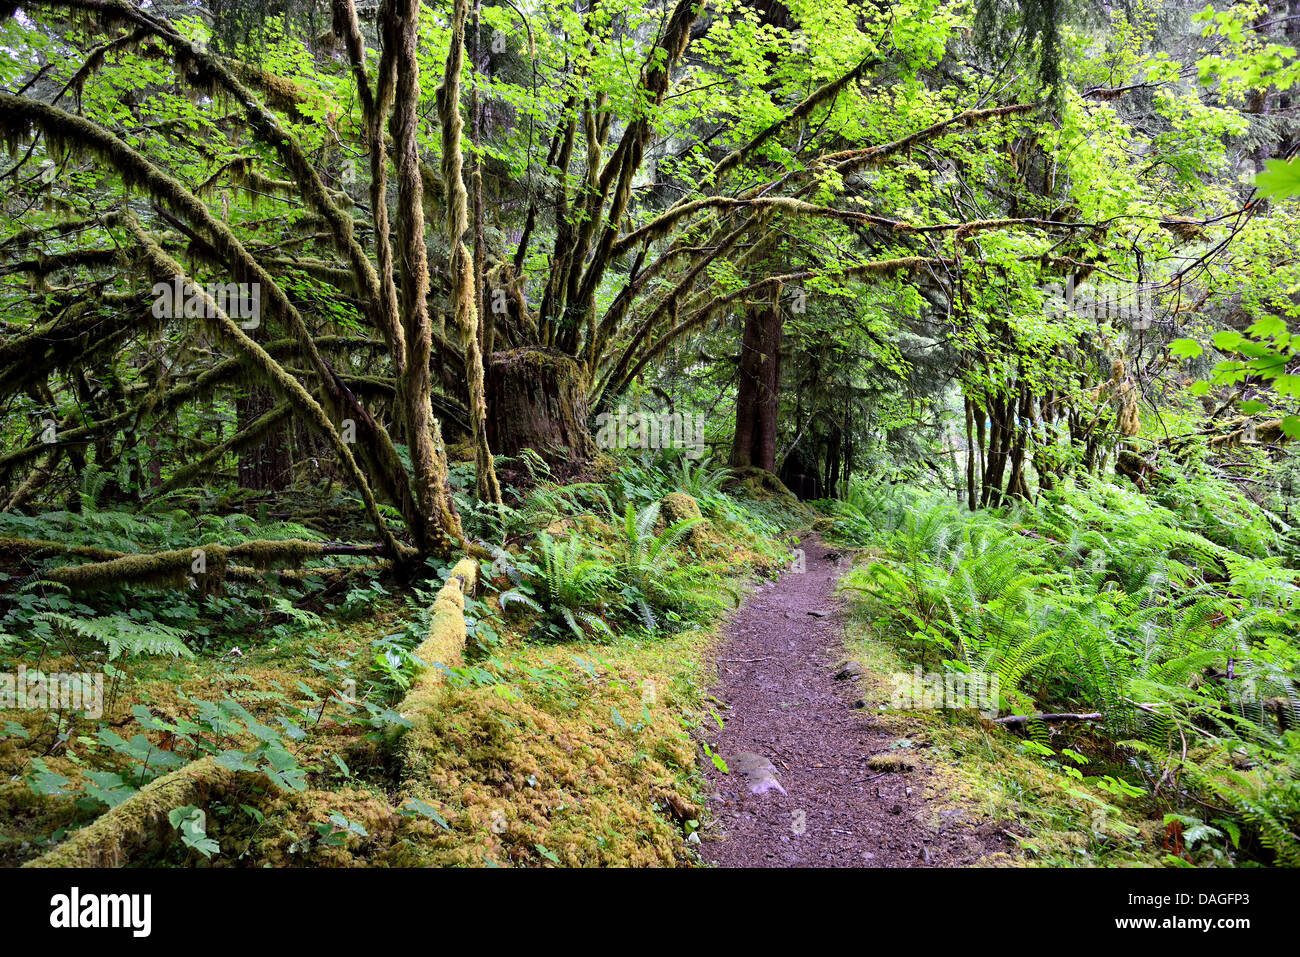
(799, 792)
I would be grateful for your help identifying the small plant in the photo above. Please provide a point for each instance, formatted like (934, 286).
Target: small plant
(566, 588)
(192, 824)
(648, 569)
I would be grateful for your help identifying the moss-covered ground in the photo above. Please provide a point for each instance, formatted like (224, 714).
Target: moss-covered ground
(525, 751)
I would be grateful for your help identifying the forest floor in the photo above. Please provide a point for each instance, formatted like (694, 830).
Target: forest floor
(813, 778)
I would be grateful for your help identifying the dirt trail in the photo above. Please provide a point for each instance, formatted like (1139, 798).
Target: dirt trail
(800, 792)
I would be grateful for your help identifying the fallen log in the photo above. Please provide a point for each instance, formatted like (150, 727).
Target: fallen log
(203, 563)
(418, 748)
(445, 644)
(139, 826)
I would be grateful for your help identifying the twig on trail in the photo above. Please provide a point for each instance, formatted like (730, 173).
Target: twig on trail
(1065, 716)
(748, 661)
(872, 777)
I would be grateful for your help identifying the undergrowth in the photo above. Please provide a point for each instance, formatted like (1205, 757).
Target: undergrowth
(566, 733)
(1172, 619)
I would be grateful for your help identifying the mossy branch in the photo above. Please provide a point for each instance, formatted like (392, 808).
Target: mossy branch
(163, 267)
(140, 825)
(247, 437)
(885, 267)
(465, 293)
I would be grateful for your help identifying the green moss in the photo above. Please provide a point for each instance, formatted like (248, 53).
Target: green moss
(445, 644)
(891, 761)
(763, 486)
(139, 826)
(593, 764)
(678, 506)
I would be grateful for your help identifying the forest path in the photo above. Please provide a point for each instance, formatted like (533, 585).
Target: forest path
(800, 792)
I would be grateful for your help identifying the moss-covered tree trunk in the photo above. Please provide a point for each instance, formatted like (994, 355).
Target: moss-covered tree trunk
(537, 399)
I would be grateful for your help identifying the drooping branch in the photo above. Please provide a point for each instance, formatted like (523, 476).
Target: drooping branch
(163, 266)
(715, 304)
(800, 112)
(19, 114)
(847, 161)
(214, 70)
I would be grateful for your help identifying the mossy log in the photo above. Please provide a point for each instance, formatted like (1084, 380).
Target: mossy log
(207, 564)
(445, 644)
(39, 548)
(139, 826)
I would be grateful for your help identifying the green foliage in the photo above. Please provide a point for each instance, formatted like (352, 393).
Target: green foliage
(1095, 599)
(123, 635)
(568, 586)
(652, 581)
(191, 822)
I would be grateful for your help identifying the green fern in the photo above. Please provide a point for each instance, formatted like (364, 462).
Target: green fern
(567, 589)
(122, 635)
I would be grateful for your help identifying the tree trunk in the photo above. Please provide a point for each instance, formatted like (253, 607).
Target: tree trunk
(758, 392)
(972, 500)
(265, 466)
(833, 446)
(999, 446)
(537, 400)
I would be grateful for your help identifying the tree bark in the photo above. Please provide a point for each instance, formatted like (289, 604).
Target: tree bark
(264, 466)
(537, 399)
(758, 391)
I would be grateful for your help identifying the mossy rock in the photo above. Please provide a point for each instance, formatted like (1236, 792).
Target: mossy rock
(677, 507)
(890, 761)
(462, 451)
(761, 485)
